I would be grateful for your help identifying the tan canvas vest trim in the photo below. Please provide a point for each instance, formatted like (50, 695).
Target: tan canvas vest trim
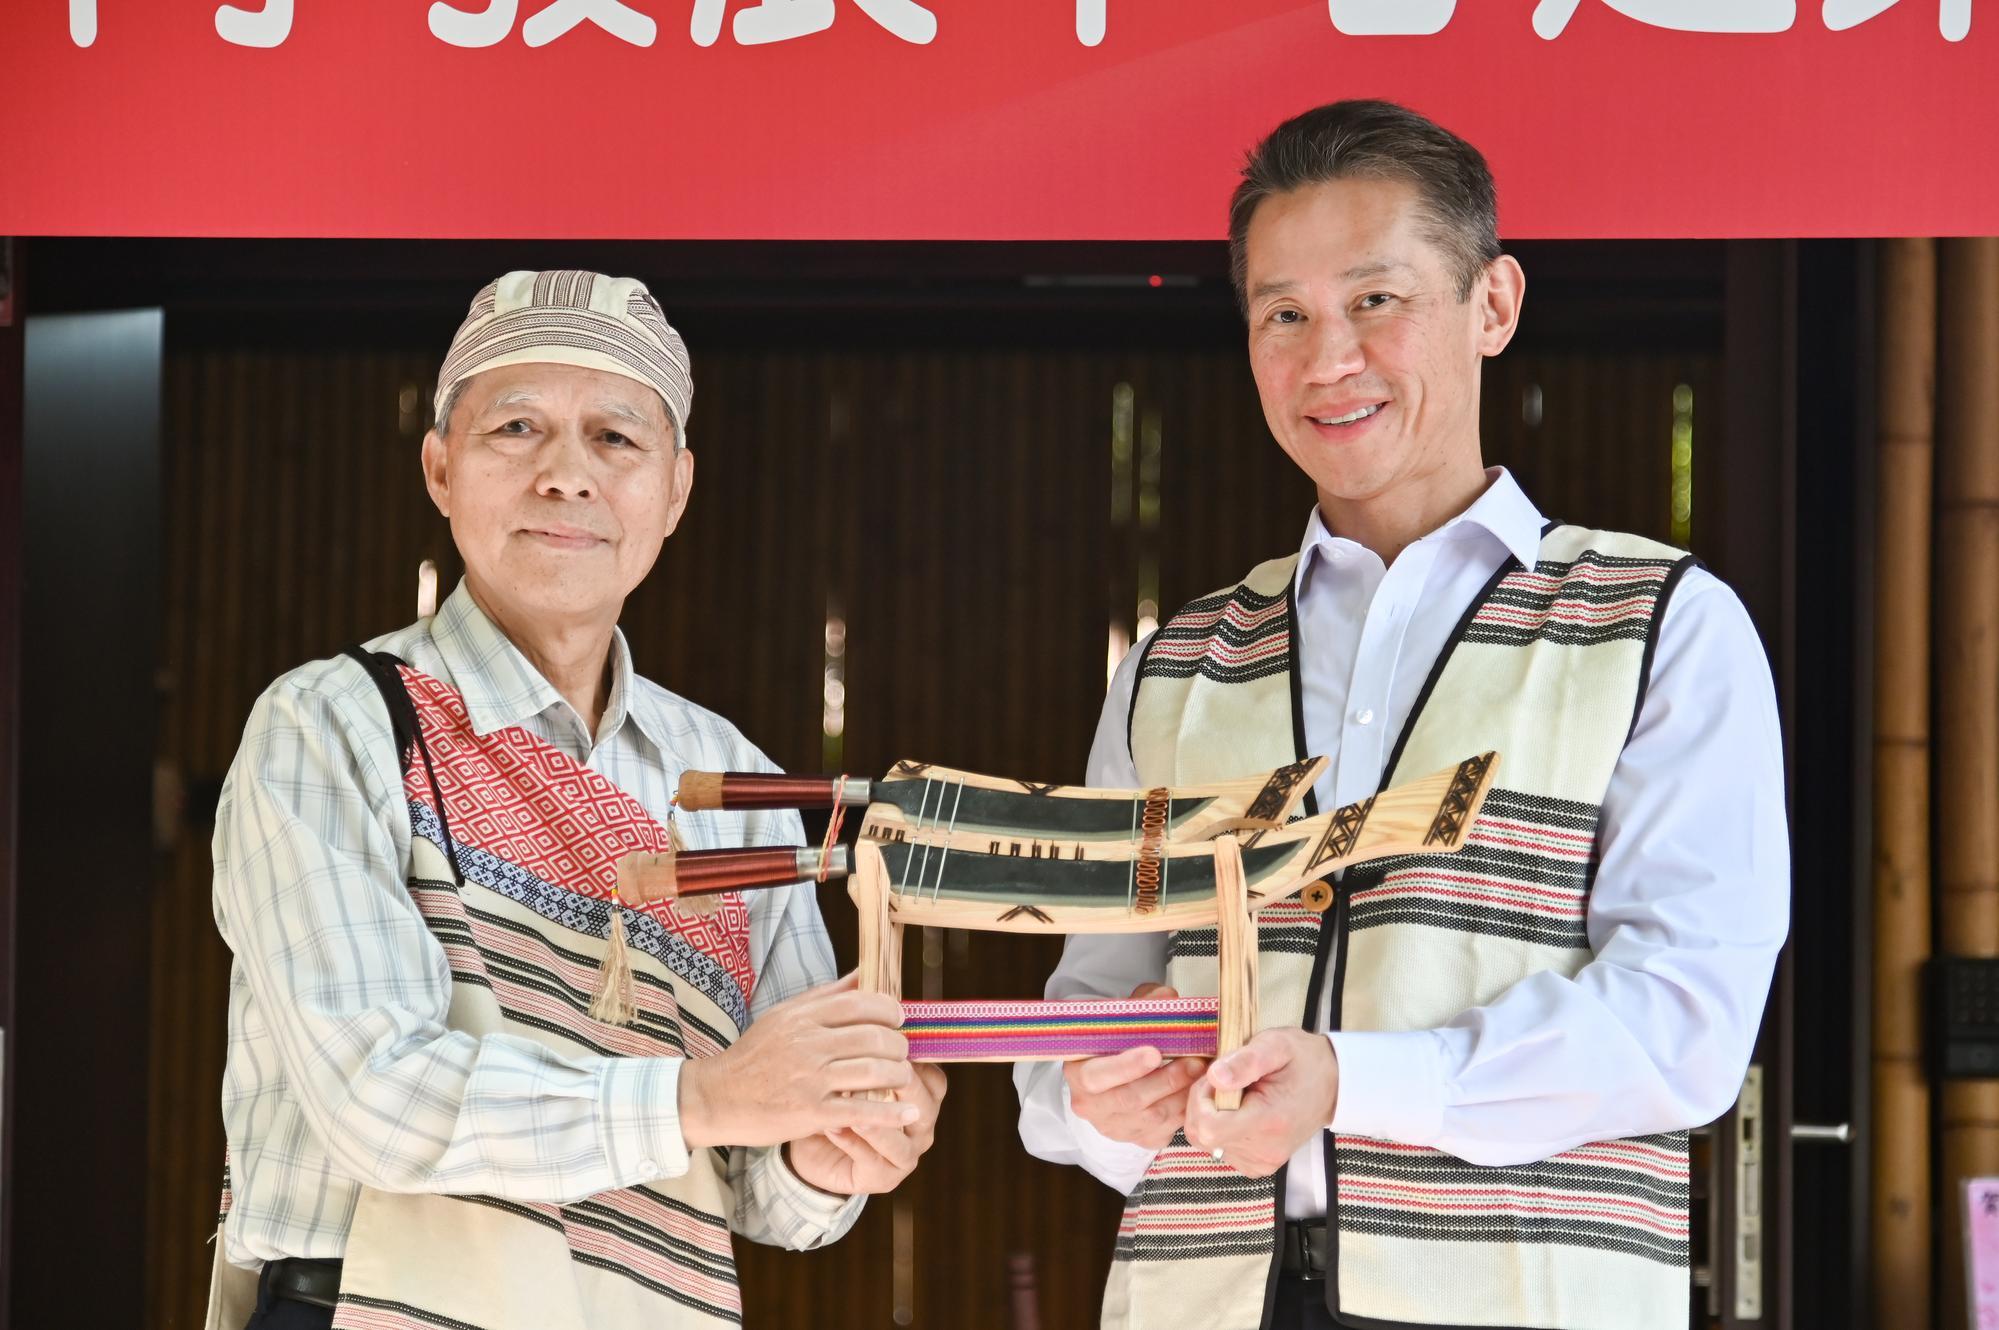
(1548, 667)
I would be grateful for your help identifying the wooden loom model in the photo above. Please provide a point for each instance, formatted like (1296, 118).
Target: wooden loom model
(955, 849)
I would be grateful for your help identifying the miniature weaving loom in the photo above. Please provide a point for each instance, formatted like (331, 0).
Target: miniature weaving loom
(955, 849)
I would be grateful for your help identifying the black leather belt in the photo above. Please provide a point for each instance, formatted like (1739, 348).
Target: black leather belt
(296, 1280)
(1302, 1248)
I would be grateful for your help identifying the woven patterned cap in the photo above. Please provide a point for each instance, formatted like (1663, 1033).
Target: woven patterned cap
(573, 318)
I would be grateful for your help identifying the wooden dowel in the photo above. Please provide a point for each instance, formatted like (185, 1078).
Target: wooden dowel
(1235, 960)
(880, 937)
(869, 890)
(701, 791)
(647, 879)
(708, 871)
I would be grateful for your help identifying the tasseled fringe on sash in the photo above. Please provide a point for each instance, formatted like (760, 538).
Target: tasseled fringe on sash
(614, 1003)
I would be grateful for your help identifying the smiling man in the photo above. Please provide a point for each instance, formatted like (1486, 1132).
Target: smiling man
(1471, 1107)
(464, 1087)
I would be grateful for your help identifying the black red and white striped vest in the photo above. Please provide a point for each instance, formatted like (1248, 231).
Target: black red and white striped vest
(1548, 668)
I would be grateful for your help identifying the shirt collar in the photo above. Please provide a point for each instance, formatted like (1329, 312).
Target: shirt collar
(629, 698)
(502, 688)
(1503, 511)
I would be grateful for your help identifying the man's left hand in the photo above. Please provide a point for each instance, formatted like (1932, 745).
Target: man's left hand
(1290, 1081)
(848, 1161)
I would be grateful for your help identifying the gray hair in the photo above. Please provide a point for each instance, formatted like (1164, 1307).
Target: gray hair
(450, 400)
(1373, 140)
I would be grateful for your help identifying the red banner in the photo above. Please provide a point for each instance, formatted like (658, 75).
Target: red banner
(974, 119)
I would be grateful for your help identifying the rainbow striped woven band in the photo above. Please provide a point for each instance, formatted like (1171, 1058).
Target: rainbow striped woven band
(1056, 1031)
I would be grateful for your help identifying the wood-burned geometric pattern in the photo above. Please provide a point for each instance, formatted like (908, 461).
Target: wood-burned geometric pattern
(1345, 830)
(1523, 873)
(1597, 598)
(1231, 637)
(1628, 1196)
(1450, 818)
(1277, 790)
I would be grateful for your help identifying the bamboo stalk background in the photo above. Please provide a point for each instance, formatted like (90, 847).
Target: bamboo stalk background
(1967, 676)
(1904, 461)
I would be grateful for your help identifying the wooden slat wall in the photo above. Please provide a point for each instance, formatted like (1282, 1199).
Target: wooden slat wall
(954, 503)
(295, 517)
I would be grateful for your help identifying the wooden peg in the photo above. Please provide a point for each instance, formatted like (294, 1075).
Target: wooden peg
(1235, 960)
(647, 879)
(880, 934)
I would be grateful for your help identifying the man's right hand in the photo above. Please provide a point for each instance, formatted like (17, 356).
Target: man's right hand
(1131, 1097)
(802, 1068)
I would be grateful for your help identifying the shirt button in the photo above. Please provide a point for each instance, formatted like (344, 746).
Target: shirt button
(648, 1169)
(1365, 716)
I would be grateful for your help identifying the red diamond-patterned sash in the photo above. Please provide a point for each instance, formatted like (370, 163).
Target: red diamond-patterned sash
(514, 801)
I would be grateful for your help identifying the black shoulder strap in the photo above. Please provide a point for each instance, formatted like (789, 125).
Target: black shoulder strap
(386, 671)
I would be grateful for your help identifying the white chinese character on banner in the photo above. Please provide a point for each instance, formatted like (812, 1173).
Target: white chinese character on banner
(707, 22)
(1953, 16)
(1552, 16)
(268, 26)
(782, 20)
(1385, 18)
(463, 29)
(1090, 21)
(83, 21)
(620, 20)
(905, 18)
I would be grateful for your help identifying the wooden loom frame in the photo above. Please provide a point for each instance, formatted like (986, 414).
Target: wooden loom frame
(1432, 815)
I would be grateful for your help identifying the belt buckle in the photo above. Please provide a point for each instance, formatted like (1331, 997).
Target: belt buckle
(314, 1283)
(1308, 1256)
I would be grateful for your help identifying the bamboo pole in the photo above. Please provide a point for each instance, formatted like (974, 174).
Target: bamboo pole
(1904, 455)
(1967, 677)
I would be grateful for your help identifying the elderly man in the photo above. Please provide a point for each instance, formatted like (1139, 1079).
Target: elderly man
(1493, 1131)
(465, 1087)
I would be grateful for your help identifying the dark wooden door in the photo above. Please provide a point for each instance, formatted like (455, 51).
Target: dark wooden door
(77, 1052)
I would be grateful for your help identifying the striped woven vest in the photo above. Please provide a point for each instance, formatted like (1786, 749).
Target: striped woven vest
(1548, 667)
(523, 916)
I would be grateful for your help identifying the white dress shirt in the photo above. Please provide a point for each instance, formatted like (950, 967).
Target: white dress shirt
(341, 1070)
(1689, 907)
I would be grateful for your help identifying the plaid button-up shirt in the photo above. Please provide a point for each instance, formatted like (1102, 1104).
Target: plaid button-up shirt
(341, 1070)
